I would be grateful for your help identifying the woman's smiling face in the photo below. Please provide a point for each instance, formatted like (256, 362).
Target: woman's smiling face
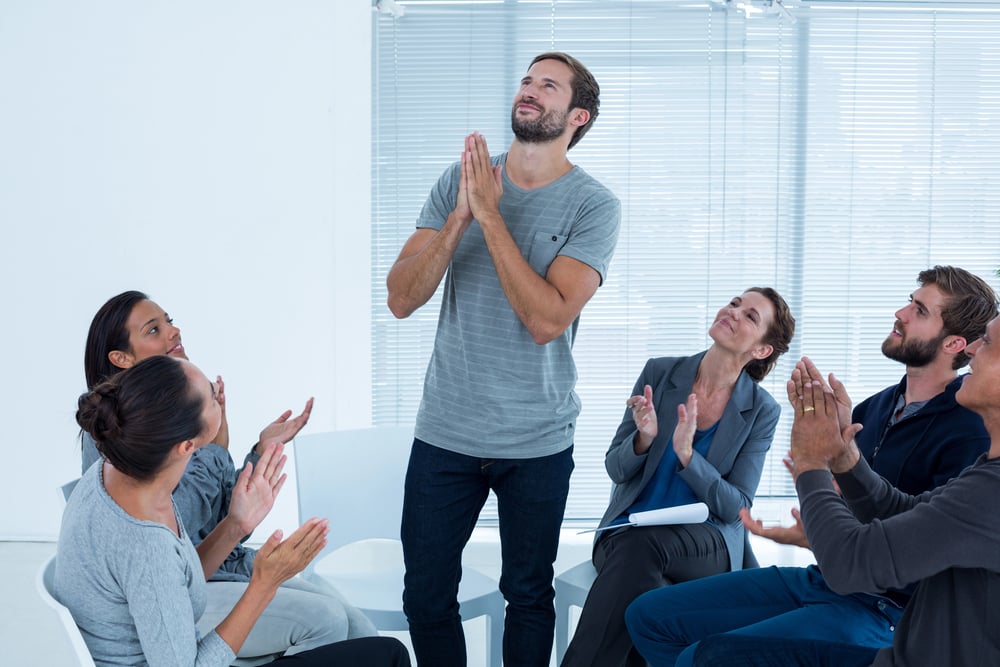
(150, 332)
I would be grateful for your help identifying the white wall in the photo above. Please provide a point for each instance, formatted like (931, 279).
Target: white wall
(215, 155)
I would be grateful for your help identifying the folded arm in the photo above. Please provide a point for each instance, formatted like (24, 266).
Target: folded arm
(546, 305)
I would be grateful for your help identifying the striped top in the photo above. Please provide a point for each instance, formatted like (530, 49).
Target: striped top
(490, 390)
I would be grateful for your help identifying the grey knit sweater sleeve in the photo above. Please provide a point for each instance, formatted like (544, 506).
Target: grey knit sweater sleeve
(134, 587)
(891, 539)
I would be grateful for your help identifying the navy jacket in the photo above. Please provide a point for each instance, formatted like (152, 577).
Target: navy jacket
(924, 450)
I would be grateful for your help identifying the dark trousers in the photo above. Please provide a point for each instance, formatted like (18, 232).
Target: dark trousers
(630, 562)
(444, 494)
(367, 651)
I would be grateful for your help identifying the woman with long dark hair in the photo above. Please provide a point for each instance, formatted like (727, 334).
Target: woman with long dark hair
(129, 328)
(126, 568)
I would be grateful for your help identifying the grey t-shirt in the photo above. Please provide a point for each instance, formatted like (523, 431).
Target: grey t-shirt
(134, 587)
(490, 390)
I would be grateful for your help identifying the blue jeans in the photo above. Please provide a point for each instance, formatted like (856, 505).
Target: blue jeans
(775, 603)
(444, 494)
(735, 650)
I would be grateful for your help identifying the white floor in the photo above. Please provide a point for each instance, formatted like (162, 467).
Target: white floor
(31, 635)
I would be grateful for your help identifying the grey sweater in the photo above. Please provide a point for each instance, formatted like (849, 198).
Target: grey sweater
(946, 540)
(202, 500)
(134, 587)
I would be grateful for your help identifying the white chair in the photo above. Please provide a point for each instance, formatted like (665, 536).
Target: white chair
(45, 577)
(43, 583)
(571, 589)
(67, 489)
(355, 478)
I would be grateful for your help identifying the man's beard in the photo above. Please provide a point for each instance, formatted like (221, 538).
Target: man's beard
(548, 127)
(916, 353)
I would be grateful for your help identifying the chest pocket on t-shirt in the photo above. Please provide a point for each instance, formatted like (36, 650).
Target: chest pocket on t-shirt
(544, 248)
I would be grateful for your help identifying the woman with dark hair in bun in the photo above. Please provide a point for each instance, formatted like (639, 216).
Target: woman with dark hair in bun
(126, 568)
(129, 328)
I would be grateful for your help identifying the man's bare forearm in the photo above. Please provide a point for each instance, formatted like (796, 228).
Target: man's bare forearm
(536, 302)
(421, 265)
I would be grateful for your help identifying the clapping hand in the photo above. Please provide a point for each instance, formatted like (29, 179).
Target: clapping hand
(818, 437)
(278, 561)
(794, 535)
(283, 429)
(687, 424)
(850, 455)
(807, 369)
(222, 437)
(257, 487)
(644, 415)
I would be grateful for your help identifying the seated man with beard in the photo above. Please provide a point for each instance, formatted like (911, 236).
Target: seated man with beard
(915, 435)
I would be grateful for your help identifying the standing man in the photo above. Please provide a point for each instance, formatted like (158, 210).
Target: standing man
(522, 241)
(915, 434)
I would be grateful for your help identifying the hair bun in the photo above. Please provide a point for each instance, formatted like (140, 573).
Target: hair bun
(140, 415)
(97, 413)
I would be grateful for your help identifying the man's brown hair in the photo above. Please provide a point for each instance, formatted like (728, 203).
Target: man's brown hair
(586, 92)
(970, 305)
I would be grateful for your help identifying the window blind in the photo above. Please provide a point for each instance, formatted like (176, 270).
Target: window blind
(832, 156)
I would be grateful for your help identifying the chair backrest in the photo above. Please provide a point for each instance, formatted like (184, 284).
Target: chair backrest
(43, 583)
(355, 479)
(67, 489)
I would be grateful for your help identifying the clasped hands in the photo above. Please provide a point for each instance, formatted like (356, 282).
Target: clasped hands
(822, 432)
(822, 438)
(480, 184)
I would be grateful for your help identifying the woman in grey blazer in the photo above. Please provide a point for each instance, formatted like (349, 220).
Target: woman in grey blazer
(696, 429)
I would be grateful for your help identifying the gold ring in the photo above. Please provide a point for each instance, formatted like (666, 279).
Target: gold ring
(808, 408)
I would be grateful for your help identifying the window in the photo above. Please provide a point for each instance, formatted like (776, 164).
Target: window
(832, 157)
